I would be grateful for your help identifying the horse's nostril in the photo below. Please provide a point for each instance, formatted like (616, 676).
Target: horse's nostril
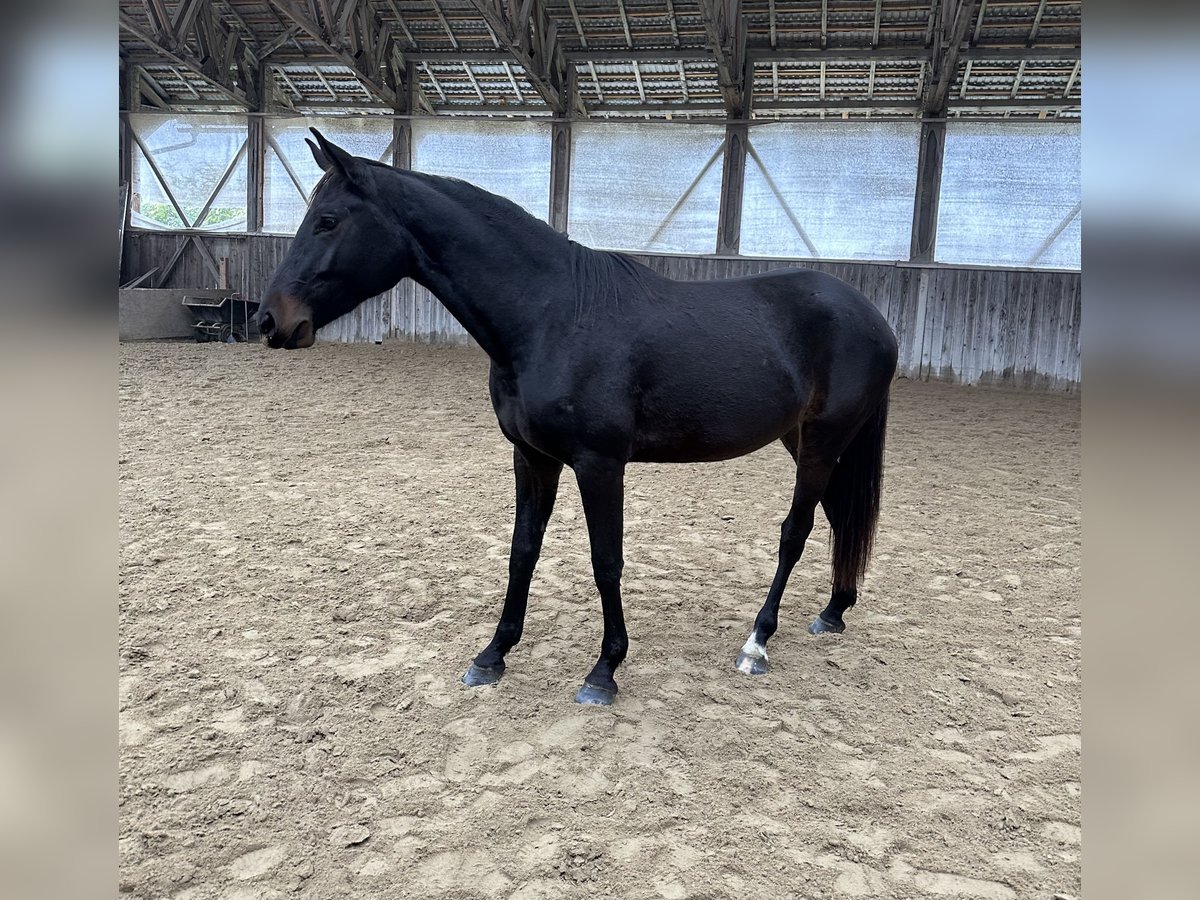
(266, 324)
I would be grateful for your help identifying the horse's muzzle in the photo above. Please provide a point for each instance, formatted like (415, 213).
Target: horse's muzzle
(285, 323)
(301, 336)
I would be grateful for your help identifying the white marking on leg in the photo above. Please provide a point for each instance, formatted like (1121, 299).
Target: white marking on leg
(754, 648)
(752, 651)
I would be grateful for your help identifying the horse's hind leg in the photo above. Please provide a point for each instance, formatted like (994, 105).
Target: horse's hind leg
(835, 503)
(811, 478)
(537, 485)
(829, 620)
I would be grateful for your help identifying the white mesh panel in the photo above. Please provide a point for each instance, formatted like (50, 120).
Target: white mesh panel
(848, 188)
(1007, 189)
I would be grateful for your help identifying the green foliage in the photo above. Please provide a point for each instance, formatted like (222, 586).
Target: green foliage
(165, 215)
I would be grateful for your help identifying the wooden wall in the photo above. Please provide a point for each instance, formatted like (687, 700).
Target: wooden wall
(974, 325)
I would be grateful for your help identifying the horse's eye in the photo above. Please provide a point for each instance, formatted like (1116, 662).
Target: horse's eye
(325, 223)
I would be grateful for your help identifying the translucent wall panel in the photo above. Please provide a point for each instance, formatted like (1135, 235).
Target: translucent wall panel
(291, 172)
(834, 190)
(202, 161)
(1010, 195)
(646, 187)
(511, 159)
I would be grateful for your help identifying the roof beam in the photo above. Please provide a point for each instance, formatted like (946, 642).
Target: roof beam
(502, 53)
(625, 23)
(184, 19)
(395, 10)
(513, 81)
(160, 20)
(184, 62)
(674, 20)
(343, 23)
(953, 33)
(209, 41)
(1037, 23)
(150, 89)
(1016, 85)
(474, 83)
(725, 33)
(989, 103)
(1063, 54)
(1071, 80)
(637, 75)
(248, 33)
(979, 21)
(832, 54)
(762, 54)
(283, 38)
(436, 85)
(578, 25)
(529, 35)
(313, 30)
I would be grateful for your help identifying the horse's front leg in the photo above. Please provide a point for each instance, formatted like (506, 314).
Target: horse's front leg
(537, 486)
(602, 490)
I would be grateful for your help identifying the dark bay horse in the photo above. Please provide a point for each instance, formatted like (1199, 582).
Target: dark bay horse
(596, 362)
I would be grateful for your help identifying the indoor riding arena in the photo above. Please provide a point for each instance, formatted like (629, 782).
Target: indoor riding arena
(315, 543)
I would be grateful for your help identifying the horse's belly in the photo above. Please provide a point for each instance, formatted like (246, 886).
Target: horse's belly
(707, 428)
(697, 451)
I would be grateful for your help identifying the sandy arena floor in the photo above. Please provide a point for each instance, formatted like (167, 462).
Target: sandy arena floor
(314, 545)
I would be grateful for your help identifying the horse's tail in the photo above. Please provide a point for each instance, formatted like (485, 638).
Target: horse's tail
(852, 498)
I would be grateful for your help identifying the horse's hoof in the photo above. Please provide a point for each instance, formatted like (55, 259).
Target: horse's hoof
(821, 625)
(592, 695)
(751, 665)
(481, 675)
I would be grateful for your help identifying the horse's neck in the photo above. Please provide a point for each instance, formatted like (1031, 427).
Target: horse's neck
(500, 274)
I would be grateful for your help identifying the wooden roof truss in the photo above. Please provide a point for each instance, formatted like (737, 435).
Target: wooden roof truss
(728, 59)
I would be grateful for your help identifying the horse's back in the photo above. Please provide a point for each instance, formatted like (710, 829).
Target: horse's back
(813, 316)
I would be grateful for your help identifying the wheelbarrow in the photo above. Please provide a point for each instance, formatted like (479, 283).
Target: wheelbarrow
(225, 319)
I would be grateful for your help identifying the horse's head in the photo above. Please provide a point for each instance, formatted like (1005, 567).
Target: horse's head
(345, 251)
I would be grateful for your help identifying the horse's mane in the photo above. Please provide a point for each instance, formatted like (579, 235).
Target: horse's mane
(604, 279)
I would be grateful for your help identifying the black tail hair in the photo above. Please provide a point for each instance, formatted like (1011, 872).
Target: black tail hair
(852, 498)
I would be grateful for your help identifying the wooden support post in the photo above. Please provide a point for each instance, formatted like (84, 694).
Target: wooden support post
(929, 188)
(560, 174)
(407, 88)
(402, 143)
(129, 101)
(733, 180)
(256, 164)
(255, 168)
(953, 22)
(256, 178)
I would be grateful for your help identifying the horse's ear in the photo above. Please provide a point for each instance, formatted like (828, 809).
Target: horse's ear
(318, 155)
(330, 156)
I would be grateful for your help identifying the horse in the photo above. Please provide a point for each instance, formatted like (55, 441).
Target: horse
(598, 362)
